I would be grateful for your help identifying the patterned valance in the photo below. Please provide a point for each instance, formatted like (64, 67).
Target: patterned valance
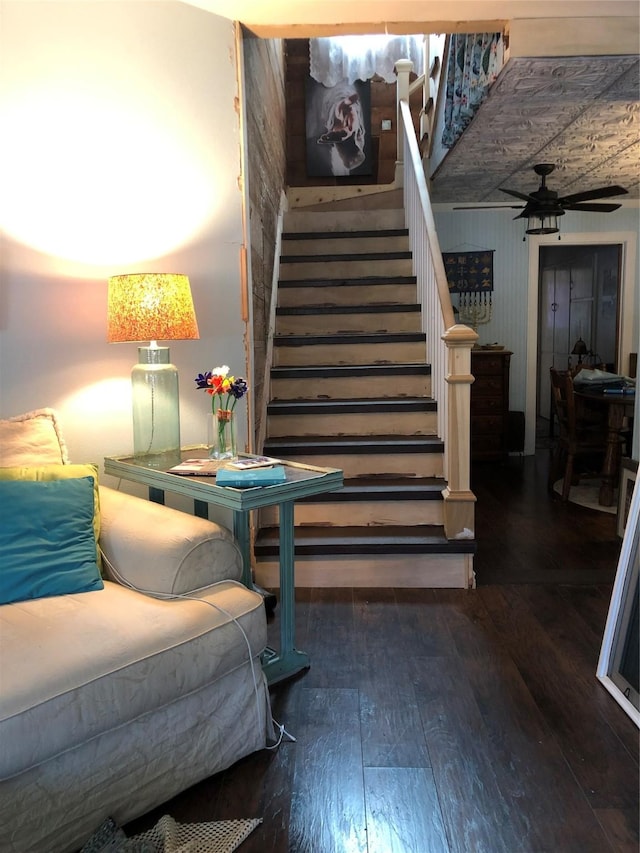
(474, 63)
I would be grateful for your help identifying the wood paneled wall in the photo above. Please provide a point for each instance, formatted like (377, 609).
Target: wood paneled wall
(383, 106)
(266, 166)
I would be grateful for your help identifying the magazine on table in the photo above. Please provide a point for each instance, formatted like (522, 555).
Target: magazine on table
(205, 467)
(197, 468)
(247, 463)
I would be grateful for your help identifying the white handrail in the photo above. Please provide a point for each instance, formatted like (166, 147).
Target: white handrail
(418, 83)
(448, 344)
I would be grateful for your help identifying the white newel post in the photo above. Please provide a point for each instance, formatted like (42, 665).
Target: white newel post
(403, 67)
(459, 500)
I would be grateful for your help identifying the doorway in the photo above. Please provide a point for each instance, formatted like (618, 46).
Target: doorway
(578, 311)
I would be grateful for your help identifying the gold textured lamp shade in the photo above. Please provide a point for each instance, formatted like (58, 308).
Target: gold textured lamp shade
(153, 307)
(150, 307)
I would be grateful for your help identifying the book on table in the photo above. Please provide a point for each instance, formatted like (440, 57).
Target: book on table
(256, 477)
(226, 473)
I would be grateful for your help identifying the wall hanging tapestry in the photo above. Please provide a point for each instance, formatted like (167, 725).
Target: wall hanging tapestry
(470, 274)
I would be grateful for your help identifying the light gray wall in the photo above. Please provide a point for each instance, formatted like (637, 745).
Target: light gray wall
(121, 154)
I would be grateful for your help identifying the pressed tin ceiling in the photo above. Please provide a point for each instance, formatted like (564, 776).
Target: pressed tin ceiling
(581, 113)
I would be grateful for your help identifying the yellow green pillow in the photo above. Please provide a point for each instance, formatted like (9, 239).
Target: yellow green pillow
(61, 472)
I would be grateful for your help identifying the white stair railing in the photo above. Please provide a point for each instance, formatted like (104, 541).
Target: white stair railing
(448, 344)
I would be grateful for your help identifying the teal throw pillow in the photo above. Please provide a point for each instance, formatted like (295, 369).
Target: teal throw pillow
(47, 539)
(61, 472)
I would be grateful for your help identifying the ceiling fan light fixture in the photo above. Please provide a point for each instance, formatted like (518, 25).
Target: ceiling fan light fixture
(544, 206)
(542, 223)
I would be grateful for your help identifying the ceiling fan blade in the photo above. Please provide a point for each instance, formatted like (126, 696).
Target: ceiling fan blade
(590, 195)
(594, 208)
(490, 207)
(516, 194)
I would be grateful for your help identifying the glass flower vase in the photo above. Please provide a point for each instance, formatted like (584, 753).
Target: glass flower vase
(222, 434)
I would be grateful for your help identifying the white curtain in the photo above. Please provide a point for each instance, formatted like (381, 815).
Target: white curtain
(360, 57)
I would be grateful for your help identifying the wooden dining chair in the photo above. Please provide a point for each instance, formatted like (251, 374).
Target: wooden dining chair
(577, 436)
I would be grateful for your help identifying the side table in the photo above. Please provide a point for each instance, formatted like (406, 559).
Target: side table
(302, 481)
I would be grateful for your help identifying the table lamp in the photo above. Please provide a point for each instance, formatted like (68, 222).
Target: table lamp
(152, 307)
(580, 349)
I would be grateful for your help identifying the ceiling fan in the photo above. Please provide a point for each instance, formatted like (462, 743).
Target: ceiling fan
(544, 206)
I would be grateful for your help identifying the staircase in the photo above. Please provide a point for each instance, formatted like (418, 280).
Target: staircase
(350, 388)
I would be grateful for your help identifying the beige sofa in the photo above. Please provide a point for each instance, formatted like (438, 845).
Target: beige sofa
(114, 700)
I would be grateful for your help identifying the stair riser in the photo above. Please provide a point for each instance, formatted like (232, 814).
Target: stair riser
(345, 269)
(413, 352)
(378, 294)
(351, 388)
(345, 245)
(296, 221)
(411, 571)
(358, 423)
(331, 324)
(362, 513)
(377, 464)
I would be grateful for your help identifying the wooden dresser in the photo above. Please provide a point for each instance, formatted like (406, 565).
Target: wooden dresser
(489, 403)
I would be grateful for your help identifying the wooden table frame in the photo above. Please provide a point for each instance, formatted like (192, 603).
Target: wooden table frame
(302, 481)
(616, 407)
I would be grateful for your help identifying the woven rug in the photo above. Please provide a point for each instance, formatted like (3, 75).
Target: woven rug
(168, 836)
(587, 495)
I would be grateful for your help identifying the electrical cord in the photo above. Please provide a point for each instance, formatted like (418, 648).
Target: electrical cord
(165, 596)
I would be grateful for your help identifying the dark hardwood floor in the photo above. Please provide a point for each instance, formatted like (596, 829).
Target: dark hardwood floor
(527, 535)
(452, 720)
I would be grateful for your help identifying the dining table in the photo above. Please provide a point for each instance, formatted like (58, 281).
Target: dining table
(619, 404)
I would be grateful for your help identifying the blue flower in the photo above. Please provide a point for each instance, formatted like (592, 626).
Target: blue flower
(202, 379)
(239, 388)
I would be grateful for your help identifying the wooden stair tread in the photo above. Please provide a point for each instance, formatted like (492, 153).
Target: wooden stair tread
(368, 281)
(315, 540)
(349, 338)
(345, 234)
(339, 371)
(353, 444)
(335, 406)
(383, 489)
(346, 257)
(377, 308)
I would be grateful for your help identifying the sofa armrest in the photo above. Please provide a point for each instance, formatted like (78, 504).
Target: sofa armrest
(155, 548)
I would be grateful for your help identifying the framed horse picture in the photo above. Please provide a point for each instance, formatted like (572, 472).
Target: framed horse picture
(338, 129)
